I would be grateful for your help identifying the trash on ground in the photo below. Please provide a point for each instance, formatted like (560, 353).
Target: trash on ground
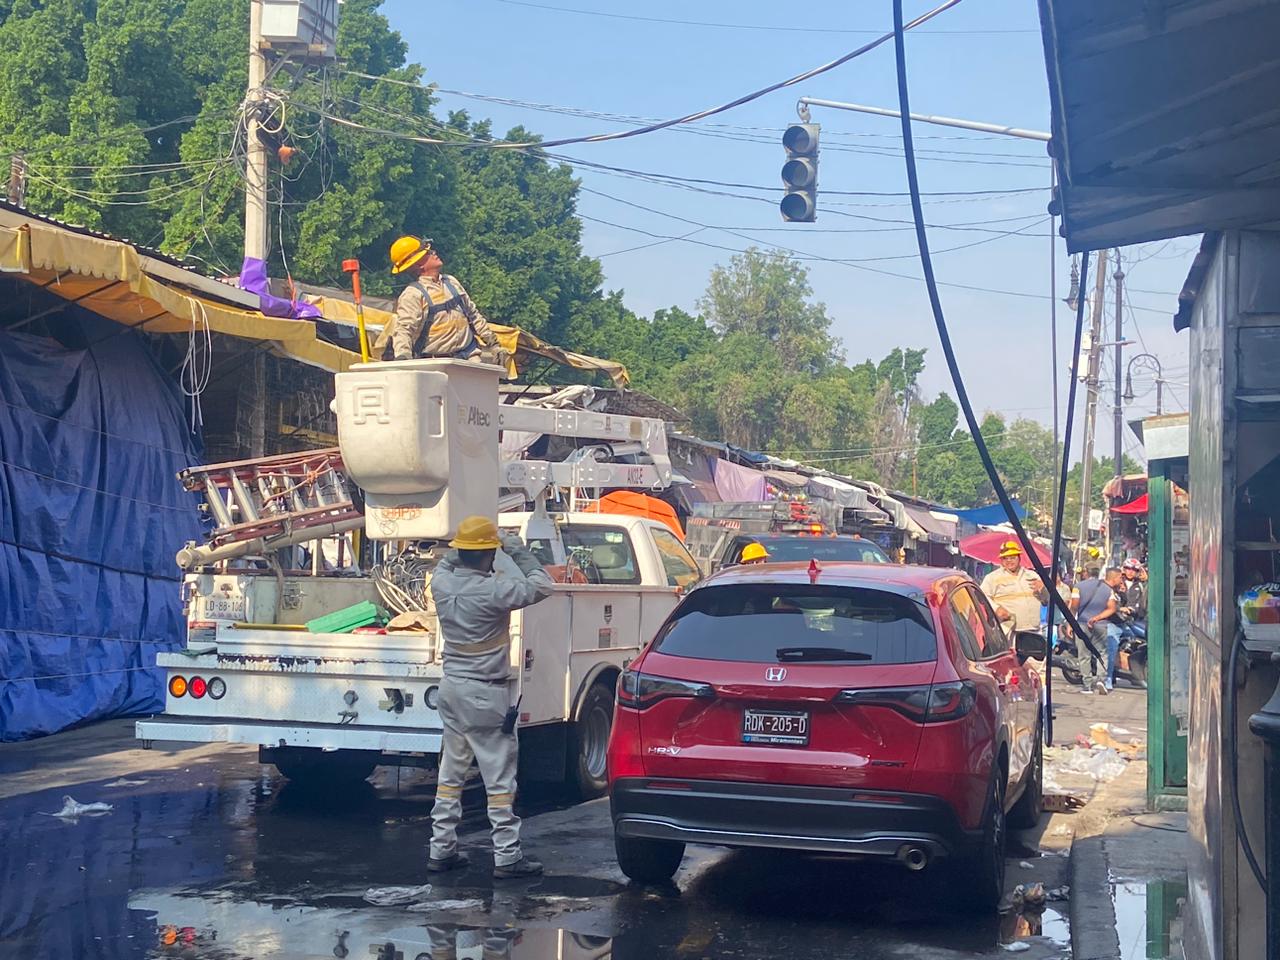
(426, 905)
(1105, 735)
(1016, 947)
(1025, 865)
(122, 782)
(1058, 893)
(73, 809)
(395, 896)
(1100, 763)
(1062, 803)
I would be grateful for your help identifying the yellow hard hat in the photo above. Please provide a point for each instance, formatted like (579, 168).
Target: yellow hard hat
(1010, 548)
(754, 551)
(476, 533)
(407, 251)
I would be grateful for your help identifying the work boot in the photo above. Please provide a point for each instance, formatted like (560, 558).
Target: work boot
(524, 867)
(456, 862)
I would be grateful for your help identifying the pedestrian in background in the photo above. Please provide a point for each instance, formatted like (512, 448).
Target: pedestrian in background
(1017, 594)
(1099, 606)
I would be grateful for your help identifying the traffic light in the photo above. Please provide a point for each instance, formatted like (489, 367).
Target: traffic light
(800, 173)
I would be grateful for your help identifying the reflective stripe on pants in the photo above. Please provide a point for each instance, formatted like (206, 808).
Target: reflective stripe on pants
(472, 712)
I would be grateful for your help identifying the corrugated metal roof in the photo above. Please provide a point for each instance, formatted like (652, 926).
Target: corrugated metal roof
(1165, 116)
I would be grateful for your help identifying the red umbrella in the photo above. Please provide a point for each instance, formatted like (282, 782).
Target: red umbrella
(985, 547)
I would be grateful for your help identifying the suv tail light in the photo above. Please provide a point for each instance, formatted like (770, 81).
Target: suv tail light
(933, 703)
(641, 690)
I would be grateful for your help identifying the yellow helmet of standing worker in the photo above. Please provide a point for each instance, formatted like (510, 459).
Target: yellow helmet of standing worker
(407, 251)
(753, 552)
(1010, 548)
(476, 533)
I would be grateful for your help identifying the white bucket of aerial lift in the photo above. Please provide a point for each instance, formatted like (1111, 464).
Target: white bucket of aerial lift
(420, 438)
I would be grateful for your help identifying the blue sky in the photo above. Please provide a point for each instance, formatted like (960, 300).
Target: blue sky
(981, 60)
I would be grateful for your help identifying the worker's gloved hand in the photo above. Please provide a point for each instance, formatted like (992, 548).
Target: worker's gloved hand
(511, 541)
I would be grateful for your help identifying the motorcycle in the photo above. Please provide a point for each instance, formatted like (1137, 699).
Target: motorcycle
(1131, 657)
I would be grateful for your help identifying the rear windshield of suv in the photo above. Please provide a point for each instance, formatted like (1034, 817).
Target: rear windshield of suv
(799, 623)
(831, 549)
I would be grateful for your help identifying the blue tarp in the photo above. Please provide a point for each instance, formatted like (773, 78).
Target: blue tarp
(91, 514)
(991, 515)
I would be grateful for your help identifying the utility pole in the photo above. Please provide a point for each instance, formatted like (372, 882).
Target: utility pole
(255, 186)
(1119, 411)
(1091, 404)
(17, 194)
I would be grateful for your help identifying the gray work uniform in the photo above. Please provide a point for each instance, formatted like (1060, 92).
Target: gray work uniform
(474, 610)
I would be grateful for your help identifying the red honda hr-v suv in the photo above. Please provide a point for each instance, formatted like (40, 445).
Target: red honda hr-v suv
(876, 711)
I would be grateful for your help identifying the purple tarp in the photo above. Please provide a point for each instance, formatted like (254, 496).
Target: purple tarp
(737, 484)
(253, 278)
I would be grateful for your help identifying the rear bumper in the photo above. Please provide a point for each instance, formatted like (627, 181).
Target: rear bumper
(275, 734)
(820, 819)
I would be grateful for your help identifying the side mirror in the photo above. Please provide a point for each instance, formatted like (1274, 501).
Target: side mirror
(1030, 645)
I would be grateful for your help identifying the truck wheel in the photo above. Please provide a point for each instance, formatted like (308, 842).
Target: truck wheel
(318, 770)
(589, 743)
(648, 861)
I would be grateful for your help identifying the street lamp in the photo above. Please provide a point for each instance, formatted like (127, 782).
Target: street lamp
(1072, 298)
(1149, 360)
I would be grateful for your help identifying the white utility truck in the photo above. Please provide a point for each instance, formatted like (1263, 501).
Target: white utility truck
(419, 440)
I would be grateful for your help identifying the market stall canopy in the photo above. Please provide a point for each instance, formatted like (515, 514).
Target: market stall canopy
(990, 515)
(843, 494)
(148, 293)
(521, 344)
(1164, 117)
(985, 548)
(1133, 506)
(938, 528)
(785, 478)
(738, 484)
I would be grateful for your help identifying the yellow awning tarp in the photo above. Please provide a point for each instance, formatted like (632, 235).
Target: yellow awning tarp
(106, 276)
(109, 278)
(521, 344)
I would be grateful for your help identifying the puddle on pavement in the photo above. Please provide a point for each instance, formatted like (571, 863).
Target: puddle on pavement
(1149, 918)
(247, 867)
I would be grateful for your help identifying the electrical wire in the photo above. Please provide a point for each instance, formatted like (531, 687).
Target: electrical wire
(935, 303)
(690, 117)
(770, 28)
(1233, 757)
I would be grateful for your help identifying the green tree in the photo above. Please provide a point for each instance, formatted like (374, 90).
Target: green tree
(767, 295)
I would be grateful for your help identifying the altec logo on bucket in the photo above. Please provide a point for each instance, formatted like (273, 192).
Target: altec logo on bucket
(474, 416)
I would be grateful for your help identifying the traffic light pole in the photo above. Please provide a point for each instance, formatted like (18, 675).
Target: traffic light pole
(1017, 132)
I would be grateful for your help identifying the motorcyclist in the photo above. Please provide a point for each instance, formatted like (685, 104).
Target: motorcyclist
(1134, 601)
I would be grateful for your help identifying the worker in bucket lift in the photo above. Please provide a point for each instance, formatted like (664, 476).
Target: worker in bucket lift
(434, 315)
(474, 604)
(753, 553)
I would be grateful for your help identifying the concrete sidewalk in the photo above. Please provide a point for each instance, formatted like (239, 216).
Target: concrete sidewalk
(1127, 866)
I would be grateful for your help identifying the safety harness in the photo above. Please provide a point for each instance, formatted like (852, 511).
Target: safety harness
(433, 309)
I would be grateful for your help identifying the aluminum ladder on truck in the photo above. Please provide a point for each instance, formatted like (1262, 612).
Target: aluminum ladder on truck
(268, 503)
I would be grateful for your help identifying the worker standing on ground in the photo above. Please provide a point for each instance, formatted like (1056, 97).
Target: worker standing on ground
(1017, 594)
(474, 604)
(434, 315)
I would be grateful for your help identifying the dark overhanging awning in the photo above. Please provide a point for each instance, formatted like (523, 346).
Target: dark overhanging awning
(1166, 119)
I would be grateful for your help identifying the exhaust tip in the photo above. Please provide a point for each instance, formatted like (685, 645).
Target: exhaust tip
(914, 858)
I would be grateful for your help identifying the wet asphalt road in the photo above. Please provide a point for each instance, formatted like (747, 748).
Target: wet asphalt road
(206, 854)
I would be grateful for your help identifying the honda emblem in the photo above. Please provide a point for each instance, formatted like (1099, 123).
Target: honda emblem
(776, 674)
